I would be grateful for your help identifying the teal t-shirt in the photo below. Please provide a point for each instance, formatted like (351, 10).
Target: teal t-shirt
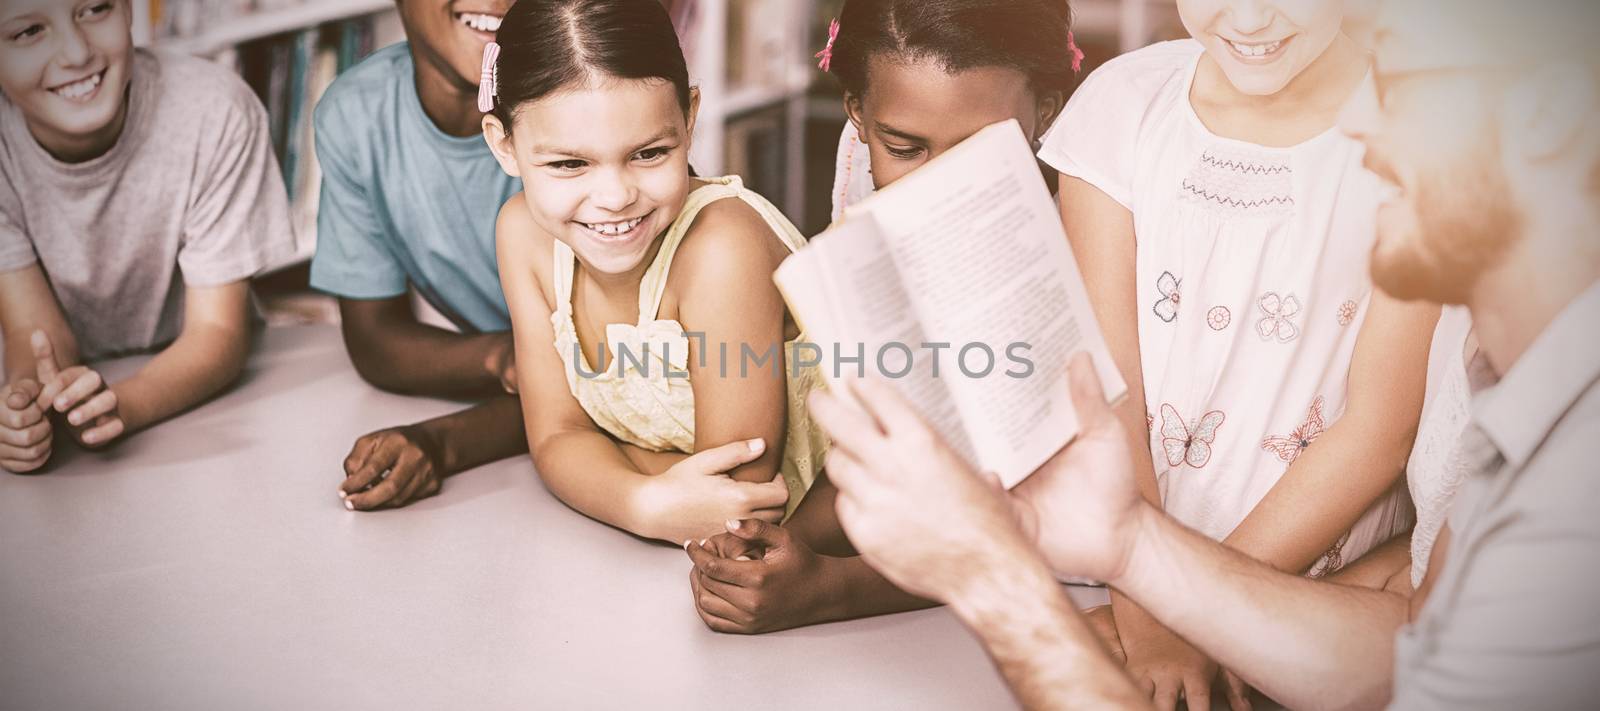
(403, 202)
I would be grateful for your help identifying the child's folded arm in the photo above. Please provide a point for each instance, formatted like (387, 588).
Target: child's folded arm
(723, 280)
(1359, 457)
(28, 305)
(209, 354)
(394, 351)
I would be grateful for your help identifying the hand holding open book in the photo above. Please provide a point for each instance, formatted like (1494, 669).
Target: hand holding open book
(957, 284)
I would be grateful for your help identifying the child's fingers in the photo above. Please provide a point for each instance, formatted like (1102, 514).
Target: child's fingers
(765, 495)
(402, 476)
(81, 387)
(106, 428)
(739, 573)
(22, 393)
(365, 466)
(103, 403)
(35, 453)
(44, 356)
(718, 460)
(27, 436)
(715, 623)
(20, 418)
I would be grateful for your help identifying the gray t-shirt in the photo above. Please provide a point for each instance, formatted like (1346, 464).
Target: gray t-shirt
(191, 186)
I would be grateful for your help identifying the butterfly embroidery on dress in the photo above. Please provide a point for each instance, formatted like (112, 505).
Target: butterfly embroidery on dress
(1330, 561)
(1290, 448)
(1278, 319)
(1188, 443)
(1167, 308)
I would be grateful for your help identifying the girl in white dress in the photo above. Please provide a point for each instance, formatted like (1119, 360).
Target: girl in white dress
(1223, 225)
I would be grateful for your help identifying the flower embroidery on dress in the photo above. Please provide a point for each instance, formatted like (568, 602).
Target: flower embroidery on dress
(1237, 181)
(1347, 313)
(1167, 308)
(1218, 318)
(1290, 448)
(1277, 321)
(1188, 443)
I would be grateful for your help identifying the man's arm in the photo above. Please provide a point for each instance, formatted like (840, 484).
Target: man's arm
(1304, 643)
(1042, 646)
(394, 351)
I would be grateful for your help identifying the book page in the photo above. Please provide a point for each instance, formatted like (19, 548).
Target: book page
(980, 250)
(849, 298)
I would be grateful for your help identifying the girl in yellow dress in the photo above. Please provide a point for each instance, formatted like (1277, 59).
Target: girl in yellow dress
(647, 325)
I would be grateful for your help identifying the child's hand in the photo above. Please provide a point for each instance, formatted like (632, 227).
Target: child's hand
(25, 432)
(1167, 667)
(758, 578)
(391, 468)
(79, 393)
(695, 497)
(502, 363)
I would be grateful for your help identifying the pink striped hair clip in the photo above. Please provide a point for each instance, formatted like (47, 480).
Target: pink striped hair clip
(489, 79)
(826, 55)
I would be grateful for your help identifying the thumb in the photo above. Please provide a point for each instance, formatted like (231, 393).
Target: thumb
(992, 479)
(22, 393)
(759, 532)
(718, 460)
(44, 356)
(1088, 395)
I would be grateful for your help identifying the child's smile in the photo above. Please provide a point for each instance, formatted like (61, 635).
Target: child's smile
(82, 90)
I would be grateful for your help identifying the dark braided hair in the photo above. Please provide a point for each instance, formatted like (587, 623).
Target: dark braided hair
(1027, 35)
(547, 45)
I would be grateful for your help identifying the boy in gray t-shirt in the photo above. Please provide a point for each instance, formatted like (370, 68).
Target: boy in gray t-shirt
(138, 194)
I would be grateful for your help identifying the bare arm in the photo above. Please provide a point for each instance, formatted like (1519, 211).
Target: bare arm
(28, 305)
(394, 351)
(209, 354)
(1304, 643)
(1103, 241)
(731, 247)
(1361, 456)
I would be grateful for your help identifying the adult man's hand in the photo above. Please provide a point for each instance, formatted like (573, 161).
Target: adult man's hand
(1082, 507)
(913, 508)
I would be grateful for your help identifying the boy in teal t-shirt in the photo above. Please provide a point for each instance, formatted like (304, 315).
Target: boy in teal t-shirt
(410, 195)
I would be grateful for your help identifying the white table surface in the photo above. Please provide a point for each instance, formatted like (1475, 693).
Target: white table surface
(208, 564)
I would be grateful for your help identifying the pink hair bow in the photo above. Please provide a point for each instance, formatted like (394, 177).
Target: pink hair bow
(826, 55)
(1077, 54)
(488, 80)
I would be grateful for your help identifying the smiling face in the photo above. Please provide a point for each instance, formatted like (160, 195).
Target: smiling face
(1432, 135)
(66, 65)
(1262, 45)
(916, 110)
(451, 34)
(605, 168)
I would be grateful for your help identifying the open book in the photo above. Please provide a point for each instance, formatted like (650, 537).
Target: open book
(957, 284)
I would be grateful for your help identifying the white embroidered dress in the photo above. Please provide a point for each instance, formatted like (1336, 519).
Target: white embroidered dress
(1252, 286)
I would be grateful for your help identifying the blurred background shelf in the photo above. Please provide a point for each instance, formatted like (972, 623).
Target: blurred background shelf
(268, 22)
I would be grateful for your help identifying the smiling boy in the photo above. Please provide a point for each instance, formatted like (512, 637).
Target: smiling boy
(138, 194)
(409, 197)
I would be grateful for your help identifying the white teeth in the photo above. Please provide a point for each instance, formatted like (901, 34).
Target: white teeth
(1255, 50)
(481, 23)
(612, 229)
(79, 89)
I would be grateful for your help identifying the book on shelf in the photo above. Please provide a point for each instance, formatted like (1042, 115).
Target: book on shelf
(957, 285)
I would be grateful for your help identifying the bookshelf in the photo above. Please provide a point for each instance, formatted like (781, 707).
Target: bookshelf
(289, 52)
(266, 23)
